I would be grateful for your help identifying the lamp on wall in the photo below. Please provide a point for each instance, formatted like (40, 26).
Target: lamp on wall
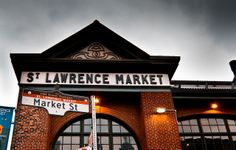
(214, 105)
(97, 100)
(161, 110)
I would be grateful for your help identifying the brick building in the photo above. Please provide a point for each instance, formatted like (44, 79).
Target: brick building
(131, 85)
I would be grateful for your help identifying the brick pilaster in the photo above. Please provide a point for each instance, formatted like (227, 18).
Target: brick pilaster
(161, 130)
(31, 129)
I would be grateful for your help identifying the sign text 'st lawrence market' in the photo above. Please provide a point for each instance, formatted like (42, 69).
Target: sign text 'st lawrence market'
(78, 78)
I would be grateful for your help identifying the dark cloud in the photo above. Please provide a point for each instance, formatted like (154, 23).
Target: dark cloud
(202, 32)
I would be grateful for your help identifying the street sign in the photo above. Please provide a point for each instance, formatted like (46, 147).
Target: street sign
(55, 102)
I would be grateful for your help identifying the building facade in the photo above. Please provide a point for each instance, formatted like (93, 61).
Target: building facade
(131, 86)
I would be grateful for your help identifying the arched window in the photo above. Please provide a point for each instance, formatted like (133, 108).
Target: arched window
(208, 133)
(111, 136)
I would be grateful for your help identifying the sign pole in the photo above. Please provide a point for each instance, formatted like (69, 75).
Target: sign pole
(94, 123)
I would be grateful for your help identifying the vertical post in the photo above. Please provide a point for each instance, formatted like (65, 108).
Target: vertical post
(94, 123)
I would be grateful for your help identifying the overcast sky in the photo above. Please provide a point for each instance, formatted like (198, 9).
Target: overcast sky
(201, 32)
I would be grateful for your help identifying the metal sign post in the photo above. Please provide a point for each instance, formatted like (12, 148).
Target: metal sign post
(94, 123)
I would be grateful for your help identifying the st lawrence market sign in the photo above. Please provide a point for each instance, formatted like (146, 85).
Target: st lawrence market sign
(56, 103)
(107, 79)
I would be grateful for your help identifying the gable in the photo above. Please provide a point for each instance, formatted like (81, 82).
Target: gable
(77, 45)
(95, 51)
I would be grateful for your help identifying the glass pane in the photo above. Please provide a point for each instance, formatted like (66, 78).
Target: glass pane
(234, 138)
(123, 130)
(220, 121)
(231, 122)
(98, 129)
(222, 128)
(125, 139)
(114, 123)
(116, 147)
(76, 128)
(186, 122)
(104, 140)
(216, 137)
(66, 146)
(86, 139)
(186, 129)
(88, 121)
(75, 139)
(195, 129)
(116, 129)
(206, 129)
(77, 122)
(204, 121)
(212, 121)
(193, 122)
(98, 121)
(59, 140)
(104, 128)
(116, 140)
(68, 129)
(104, 121)
(87, 129)
(132, 141)
(105, 147)
(66, 139)
(214, 128)
(232, 128)
(75, 147)
(224, 137)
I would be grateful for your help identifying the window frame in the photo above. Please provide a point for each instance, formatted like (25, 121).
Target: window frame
(203, 134)
(110, 134)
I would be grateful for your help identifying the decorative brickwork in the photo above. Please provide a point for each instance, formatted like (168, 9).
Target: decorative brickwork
(31, 129)
(161, 132)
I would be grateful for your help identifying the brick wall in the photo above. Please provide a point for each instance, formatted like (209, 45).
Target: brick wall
(161, 132)
(35, 129)
(31, 129)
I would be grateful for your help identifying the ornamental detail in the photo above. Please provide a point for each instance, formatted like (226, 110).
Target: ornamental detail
(95, 51)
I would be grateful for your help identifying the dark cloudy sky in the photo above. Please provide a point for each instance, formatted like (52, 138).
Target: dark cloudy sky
(201, 32)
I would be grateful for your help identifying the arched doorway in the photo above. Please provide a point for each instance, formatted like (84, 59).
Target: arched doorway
(112, 135)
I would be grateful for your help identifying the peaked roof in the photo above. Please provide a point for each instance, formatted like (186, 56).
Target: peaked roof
(56, 58)
(96, 32)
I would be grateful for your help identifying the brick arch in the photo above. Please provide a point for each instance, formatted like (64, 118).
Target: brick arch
(125, 118)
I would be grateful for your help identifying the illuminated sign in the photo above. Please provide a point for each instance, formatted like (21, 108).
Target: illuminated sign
(104, 79)
(56, 102)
